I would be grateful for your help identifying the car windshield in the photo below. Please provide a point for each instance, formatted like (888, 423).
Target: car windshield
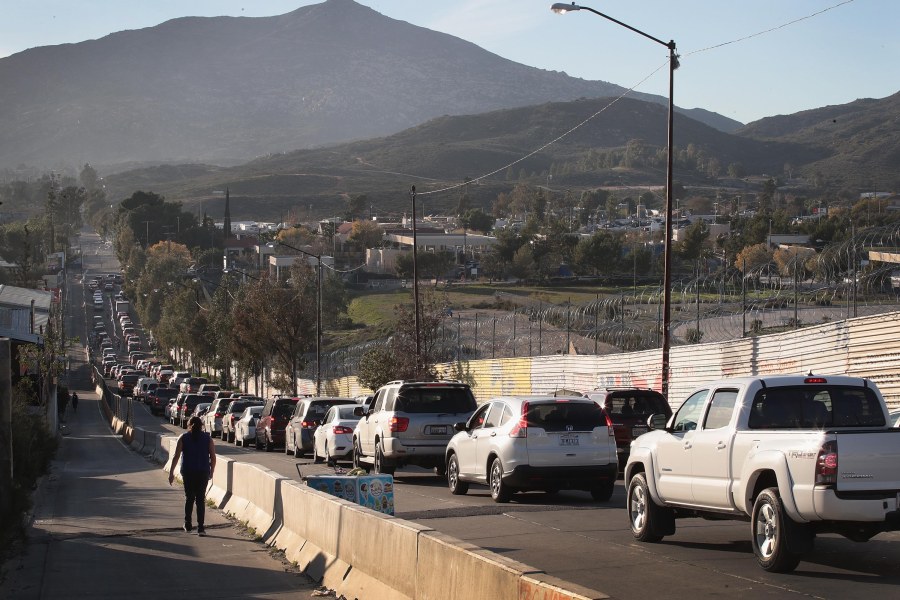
(450, 400)
(815, 407)
(637, 403)
(565, 416)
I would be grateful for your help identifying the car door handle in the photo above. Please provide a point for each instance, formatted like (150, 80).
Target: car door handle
(688, 445)
(494, 434)
(721, 446)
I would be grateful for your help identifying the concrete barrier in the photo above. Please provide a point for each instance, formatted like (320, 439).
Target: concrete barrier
(137, 439)
(166, 451)
(222, 477)
(366, 538)
(151, 441)
(450, 569)
(256, 498)
(540, 586)
(311, 524)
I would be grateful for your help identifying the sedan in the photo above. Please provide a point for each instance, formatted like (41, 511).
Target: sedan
(333, 439)
(245, 427)
(519, 443)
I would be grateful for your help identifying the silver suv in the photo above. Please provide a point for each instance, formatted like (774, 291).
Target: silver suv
(410, 423)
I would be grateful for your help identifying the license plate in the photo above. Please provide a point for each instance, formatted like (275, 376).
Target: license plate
(568, 440)
(438, 430)
(636, 431)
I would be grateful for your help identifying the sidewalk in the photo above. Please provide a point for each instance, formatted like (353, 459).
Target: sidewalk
(107, 525)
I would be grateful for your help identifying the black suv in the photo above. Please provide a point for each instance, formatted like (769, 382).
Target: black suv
(629, 408)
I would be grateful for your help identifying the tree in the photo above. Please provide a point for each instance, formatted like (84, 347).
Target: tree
(20, 244)
(356, 206)
(752, 258)
(476, 220)
(366, 234)
(376, 367)
(600, 253)
(283, 315)
(695, 236)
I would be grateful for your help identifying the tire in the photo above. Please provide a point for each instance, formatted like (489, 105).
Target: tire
(770, 533)
(441, 470)
(380, 467)
(649, 522)
(500, 492)
(604, 491)
(256, 442)
(357, 453)
(269, 444)
(298, 453)
(457, 486)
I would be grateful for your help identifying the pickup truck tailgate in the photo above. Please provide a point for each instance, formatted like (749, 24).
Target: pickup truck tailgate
(868, 460)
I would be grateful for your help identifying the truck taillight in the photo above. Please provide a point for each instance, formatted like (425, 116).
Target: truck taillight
(339, 429)
(520, 429)
(827, 464)
(399, 424)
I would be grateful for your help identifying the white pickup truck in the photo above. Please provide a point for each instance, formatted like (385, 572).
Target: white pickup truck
(794, 455)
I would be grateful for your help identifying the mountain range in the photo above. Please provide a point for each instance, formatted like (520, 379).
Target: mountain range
(225, 90)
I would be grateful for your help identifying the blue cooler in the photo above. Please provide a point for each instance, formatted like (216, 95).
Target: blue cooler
(372, 491)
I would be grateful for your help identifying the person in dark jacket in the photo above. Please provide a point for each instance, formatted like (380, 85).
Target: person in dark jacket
(74, 402)
(198, 453)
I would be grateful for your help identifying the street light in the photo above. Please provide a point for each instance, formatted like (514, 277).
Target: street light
(562, 8)
(318, 258)
(412, 196)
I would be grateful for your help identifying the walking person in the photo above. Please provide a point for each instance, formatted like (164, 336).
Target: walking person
(74, 402)
(198, 453)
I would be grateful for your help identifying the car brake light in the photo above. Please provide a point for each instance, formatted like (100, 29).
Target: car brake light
(307, 424)
(827, 464)
(399, 424)
(610, 427)
(339, 429)
(815, 380)
(520, 429)
(219, 415)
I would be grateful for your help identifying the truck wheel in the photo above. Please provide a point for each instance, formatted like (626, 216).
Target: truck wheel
(457, 487)
(357, 454)
(500, 492)
(649, 521)
(380, 467)
(771, 530)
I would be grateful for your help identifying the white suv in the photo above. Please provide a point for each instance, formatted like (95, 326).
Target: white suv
(410, 423)
(535, 442)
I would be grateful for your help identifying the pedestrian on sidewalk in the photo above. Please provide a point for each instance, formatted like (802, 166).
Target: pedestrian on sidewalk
(197, 467)
(74, 402)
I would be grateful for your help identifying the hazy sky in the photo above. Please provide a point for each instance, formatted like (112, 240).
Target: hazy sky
(850, 51)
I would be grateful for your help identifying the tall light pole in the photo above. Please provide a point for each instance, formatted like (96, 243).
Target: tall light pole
(318, 258)
(562, 8)
(412, 197)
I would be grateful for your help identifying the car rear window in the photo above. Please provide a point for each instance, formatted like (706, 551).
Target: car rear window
(165, 393)
(283, 410)
(815, 407)
(318, 409)
(565, 416)
(637, 403)
(451, 400)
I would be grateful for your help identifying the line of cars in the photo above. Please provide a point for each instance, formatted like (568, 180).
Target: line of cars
(510, 444)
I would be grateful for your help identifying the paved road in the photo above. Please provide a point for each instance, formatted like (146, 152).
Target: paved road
(576, 539)
(108, 525)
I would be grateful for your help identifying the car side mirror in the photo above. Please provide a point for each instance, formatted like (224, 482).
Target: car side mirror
(359, 411)
(656, 422)
(461, 426)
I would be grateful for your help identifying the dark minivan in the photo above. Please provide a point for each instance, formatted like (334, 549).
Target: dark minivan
(273, 421)
(629, 408)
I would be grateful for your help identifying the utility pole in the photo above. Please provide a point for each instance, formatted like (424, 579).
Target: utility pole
(6, 455)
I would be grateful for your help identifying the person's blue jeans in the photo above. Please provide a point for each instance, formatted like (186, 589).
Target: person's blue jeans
(194, 493)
